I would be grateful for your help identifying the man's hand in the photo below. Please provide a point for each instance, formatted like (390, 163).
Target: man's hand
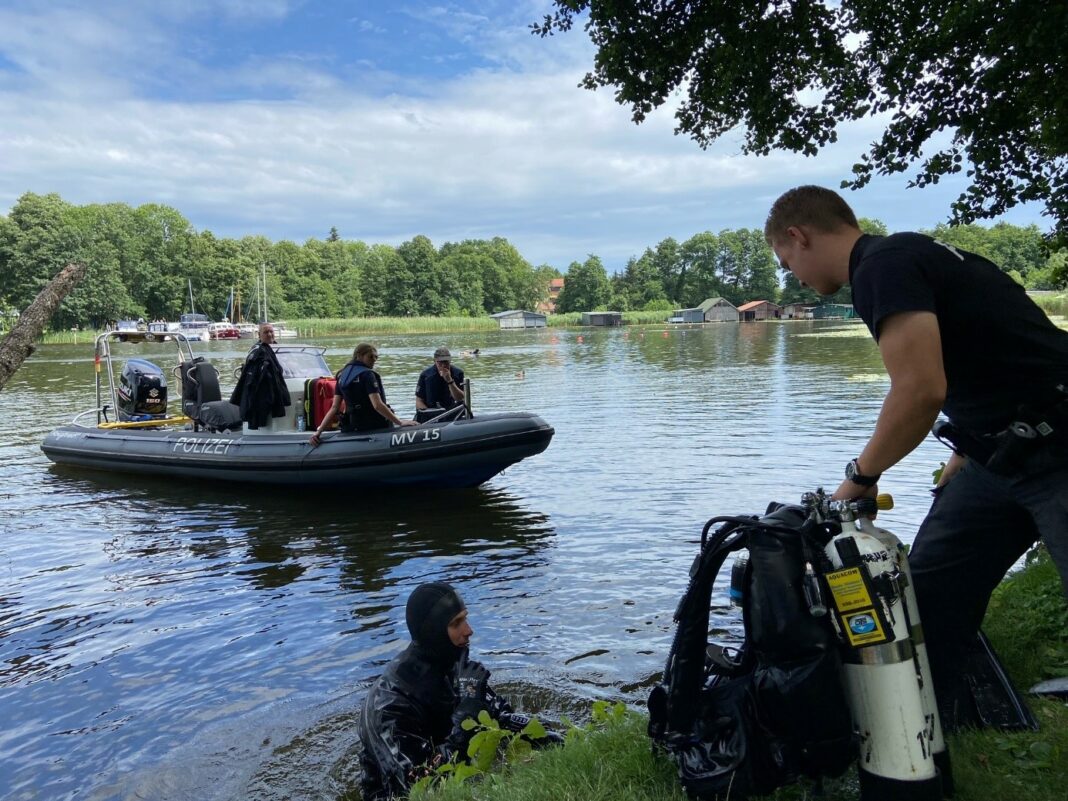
(445, 371)
(403, 423)
(953, 466)
(848, 490)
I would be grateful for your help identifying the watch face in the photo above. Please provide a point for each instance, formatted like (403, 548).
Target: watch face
(851, 469)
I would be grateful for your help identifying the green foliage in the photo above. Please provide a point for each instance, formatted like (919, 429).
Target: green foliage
(488, 743)
(788, 74)
(586, 288)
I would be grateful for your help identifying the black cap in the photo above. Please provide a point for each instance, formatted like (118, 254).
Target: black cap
(430, 608)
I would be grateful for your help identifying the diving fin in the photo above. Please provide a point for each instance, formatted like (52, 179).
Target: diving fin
(997, 702)
(1054, 688)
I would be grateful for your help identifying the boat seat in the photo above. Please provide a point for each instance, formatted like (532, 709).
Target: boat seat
(220, 415)
(200, 385)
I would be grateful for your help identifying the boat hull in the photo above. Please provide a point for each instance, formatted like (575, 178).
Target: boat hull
(464, 453)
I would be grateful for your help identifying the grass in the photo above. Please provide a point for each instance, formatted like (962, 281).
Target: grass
(1028, 625)
(1053, 305)
(355, 326)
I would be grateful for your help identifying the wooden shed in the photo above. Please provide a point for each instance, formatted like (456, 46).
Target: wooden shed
(602, 318)
(759, 310)
(798, 311)
(719, 310)
(694, 315)
(517, 318)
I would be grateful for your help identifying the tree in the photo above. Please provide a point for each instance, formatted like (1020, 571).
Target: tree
(790, 71)
(586, 288)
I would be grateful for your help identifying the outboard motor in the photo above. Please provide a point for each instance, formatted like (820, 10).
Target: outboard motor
(886, 671)
(142, 391)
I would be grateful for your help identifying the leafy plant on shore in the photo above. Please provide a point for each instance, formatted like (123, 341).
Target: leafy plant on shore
(490, 743)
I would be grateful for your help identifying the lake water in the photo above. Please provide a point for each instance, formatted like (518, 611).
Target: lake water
(186, 641)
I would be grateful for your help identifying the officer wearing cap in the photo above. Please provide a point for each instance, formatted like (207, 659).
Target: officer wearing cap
(411, 719)
(440, 385)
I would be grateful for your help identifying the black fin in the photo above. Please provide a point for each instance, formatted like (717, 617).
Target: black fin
(998, 704)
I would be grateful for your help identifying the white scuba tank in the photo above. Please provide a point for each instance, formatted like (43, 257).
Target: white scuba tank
(886, 672)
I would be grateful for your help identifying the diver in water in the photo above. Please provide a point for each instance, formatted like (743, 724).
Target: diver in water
(411, 719)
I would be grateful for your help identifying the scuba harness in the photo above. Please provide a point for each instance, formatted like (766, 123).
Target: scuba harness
(833, 659)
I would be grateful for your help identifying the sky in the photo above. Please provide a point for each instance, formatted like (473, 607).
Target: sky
(385, 119)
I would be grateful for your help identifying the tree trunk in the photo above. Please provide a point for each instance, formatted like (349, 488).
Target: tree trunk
(21, 341)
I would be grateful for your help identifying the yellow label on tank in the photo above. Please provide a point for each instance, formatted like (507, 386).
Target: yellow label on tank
(849, 590)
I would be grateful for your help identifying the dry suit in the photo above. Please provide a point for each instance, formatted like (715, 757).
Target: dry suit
(261, 392)
(412, 715)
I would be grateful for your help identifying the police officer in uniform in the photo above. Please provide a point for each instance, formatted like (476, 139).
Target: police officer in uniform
(440, 386)
(365, 397)
(957, 336)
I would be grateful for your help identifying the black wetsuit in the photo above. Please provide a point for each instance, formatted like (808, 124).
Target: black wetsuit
(406, 722)
(261, 392)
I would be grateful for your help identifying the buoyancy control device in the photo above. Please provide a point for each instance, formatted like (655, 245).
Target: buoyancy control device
(832, 659)
(142, 391)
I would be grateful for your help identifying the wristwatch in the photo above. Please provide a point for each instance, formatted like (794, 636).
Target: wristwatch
(852, 472)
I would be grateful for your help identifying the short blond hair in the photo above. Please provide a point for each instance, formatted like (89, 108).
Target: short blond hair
(814, 206)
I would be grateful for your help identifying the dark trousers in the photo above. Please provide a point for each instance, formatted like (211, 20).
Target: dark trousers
(979, 525)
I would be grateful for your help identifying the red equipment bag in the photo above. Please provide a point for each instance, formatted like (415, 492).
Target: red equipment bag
(318, 398)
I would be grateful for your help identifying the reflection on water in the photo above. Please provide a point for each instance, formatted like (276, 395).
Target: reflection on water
(181, 640)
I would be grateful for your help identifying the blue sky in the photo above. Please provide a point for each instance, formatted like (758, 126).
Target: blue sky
(384, 119)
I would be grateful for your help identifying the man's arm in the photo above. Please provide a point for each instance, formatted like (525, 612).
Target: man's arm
(456, 385)
(911, 347)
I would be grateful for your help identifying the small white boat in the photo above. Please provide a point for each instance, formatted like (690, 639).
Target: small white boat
(194, 327)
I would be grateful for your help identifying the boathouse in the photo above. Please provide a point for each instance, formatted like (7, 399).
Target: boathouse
(517, 318)
(602, 318)
(759, 310)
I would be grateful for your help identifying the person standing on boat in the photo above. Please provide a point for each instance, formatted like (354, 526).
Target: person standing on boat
(440, 386)
(261, 391)
(365, 397)
(956, 335)
(411, 719)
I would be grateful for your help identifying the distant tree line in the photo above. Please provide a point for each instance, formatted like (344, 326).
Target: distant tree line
(142, 260)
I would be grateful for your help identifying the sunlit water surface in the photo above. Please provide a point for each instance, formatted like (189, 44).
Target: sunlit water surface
(183, 640)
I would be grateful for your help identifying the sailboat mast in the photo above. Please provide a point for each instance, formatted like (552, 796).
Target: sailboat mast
(192, 306)
(264, 268)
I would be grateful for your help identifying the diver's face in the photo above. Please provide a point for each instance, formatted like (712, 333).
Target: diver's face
(460, 630)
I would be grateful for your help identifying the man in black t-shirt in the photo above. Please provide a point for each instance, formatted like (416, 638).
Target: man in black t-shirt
(365, 397)
(957, 336)
(440, 386)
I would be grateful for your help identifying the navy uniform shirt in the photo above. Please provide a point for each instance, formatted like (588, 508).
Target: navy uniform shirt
(433, 390)
(999, 350)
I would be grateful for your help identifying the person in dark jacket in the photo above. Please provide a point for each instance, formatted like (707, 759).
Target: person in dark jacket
(440, 386)
(411, 719)
(261, 392)
(957, 335)
(361, 389)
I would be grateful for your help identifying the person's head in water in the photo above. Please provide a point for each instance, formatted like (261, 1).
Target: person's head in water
(437, 620)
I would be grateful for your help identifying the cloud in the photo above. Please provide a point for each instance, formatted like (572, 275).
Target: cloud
(290, 144)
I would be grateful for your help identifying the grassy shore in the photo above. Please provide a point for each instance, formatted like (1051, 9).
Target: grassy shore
(1028, 624)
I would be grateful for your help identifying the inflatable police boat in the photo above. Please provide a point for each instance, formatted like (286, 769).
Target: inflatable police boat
(135, 431)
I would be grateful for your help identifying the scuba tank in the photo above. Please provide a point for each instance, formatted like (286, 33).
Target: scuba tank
(887, 675)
